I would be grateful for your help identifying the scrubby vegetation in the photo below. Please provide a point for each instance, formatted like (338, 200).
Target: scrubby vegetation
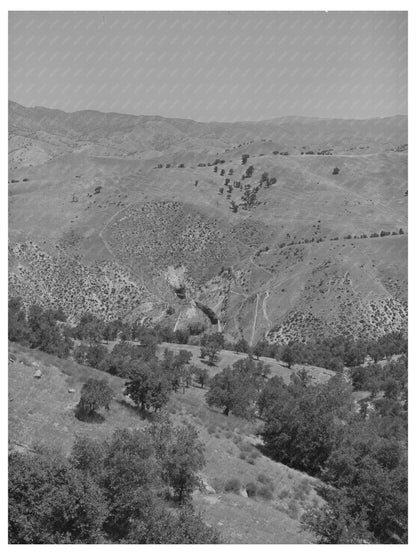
(118, 491)
(360, 456)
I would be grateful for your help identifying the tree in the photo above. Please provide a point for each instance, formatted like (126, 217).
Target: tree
(369, 466)
(288, 355)
(131, 479)
(249, 197)
(242, 346)
(50, 502)
(181, 456)
(201, 375)
(244, 159)
(161, 526)
(87, 455)
(210, 346)
(249, 171)
(335, 523)
(264, 177)
(236, 388)
(234, 206)
(18, 328)
(95, 355)
(90, 328)
(302, 424)
(79, 353)
(149, 387)
(45, 333)
(95, 394)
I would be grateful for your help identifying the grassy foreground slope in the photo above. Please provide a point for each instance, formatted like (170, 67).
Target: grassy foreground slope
(42, 410)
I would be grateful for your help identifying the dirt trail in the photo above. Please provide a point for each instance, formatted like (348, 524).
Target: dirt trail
(255, 319)
(266, 316)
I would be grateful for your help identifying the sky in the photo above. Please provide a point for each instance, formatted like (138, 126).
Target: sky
(211, 66)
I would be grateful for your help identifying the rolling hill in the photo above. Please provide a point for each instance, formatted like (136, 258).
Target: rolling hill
(131, 216)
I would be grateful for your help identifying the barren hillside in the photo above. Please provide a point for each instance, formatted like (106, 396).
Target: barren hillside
(143, 218)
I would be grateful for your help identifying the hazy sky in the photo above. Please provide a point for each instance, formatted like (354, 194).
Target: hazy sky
(222, 66)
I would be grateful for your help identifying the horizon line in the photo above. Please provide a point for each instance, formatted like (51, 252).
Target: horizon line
(289, 116)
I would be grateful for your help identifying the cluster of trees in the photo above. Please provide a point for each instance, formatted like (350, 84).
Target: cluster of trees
(332, 353)
(236, 388)
(133, 488)
(43, 329)
(391, 378)
(359, 452)
(150, 383)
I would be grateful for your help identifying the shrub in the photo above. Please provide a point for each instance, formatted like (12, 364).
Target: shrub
(283, 494)
(265, 492)
(335, 171)
(232, 485)
(251, 489)
(266, 481)
(293, 509)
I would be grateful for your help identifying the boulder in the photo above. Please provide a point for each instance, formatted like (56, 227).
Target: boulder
(71, 390)
(38, 374)
(206, 488)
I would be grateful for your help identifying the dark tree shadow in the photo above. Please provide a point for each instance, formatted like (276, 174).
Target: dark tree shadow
(89, 417)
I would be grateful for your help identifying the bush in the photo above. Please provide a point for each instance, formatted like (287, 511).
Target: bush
(251, 489)
(283, 494)
(266, 481)
(293, 509)
(232, 485)
(265, 492)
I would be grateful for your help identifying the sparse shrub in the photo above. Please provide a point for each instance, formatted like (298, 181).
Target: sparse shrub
(283, 493)
(265, 492)
(302, 489)
(266, 481)
(293, 509)
(232, 485)
(251, 489)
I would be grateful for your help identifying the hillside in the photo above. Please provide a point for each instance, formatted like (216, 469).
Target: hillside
(130, 216)
(42, 410)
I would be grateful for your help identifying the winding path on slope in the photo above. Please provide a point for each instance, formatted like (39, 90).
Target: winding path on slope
(255, 319)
